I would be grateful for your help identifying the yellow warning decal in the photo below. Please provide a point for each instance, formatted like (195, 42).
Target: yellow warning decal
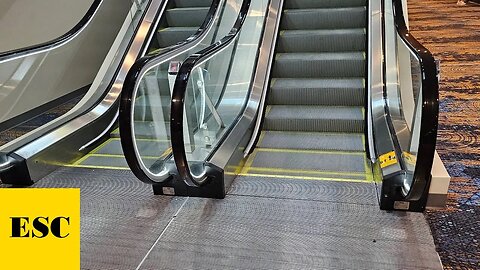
(388, 159)
(409, 158)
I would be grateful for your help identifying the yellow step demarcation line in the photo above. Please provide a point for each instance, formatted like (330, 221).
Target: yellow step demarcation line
(302, 177)
(248, 165)
(359, 135)
(119, 156)
(96, 167)
(314, 133)
(93, 153)
(307, 151)
(142, 140)
(267, 110)
(368, 171)
(96, 149)
(302, 171)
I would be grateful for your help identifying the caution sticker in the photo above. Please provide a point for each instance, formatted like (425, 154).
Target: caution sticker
(388, 159)
(410, 158)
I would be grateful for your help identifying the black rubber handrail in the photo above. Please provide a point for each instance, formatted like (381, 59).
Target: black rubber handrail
(429, 121)
(133, 76)
(57, 41)
(178, 98)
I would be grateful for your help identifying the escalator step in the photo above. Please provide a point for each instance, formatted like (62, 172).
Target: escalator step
(193, 3)
(311, 65)
(327, 18)
(295, 4)
(312, 141)
(300, 163)
(314, 118)
(186, 17)
(325, 40)
(306, 91)
(146, 108)
(173, 35)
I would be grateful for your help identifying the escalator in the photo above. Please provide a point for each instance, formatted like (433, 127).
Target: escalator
(314, 117)
(181, 20)
(88, 134)
(27, 99)
(284, 110)
(331, 92)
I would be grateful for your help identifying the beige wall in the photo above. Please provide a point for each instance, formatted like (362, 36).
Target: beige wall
(29, 22)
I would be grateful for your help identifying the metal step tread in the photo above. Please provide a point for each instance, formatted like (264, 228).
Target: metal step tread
(326, 32)
(188, 9)
(186, 17)
(178, 29)
(314, 112)
(317, 83)
(328, 10)
(314, 91)
(320, 56)
(312, 141)
(302, 4)
(192, 3)
(297, 162)
(322, 40)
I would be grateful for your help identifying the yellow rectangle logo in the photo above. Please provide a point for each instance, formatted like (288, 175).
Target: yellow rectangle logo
(39, 228)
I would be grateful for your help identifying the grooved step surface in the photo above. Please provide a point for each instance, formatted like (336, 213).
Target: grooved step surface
(302, 4)
(120, 217)
(173, 35)
(318, 65)
(105, 162)
(321, 40)
(146, 148)
(313, 162)
(243, 232)
(323, 191)
(312, 141)
(193, 3)
(314, 118)
(313, 91)
(186, 17)
(327, 18)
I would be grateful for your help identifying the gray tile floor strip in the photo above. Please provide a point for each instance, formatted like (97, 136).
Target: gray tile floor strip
(303, 161)
(312, 190)
(125, 226)
(120, 216)
(263, 233)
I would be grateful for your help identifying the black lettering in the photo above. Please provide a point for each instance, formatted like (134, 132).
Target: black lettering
(56, 224)
(40, 227)
(18, 227)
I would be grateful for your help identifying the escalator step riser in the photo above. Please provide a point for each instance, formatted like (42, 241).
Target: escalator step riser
(291, 4)
(337, 18)
(305, 67)
(312, 141)
(314, 125)
(174, 35)
(317, 96)
(193, 3)
(322, 40)
(186, 17)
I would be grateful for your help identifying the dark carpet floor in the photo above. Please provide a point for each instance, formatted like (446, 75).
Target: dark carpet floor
(37, 121)
(452, 34)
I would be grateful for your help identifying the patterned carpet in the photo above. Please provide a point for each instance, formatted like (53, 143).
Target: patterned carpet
(39, 120)
(452, 34)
